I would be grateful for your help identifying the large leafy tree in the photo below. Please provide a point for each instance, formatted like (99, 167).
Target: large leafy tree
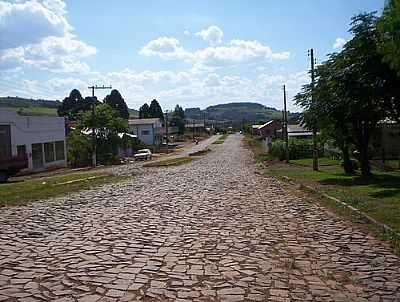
(327, 110)
(155, 110)
(367, 83)
(73, 104)
(178, 119)
(108, 124)
(355, 89)
(144, 111)
(389, 34)
(115, 100)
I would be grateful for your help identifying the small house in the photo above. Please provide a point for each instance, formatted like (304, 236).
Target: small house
(269, 129)
(148, 130)
(297, 131)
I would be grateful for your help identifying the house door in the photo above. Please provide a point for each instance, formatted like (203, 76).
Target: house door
(5, 141)
(37, 156)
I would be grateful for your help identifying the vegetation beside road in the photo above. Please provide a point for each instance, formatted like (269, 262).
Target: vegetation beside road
(169, 162)
(221, 139)
(200, 153)
(378, 195)
(19, 192)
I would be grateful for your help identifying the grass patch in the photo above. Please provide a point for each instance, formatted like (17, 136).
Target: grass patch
(24, 191)
(221, 139)
(169, 162)
(323, 161)
(378, 196)
(200, 153)
(218, 142)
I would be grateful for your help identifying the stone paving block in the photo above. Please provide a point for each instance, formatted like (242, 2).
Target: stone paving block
(214, 229)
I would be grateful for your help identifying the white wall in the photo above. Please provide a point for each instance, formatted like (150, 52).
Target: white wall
(138, 130)
(28, 130)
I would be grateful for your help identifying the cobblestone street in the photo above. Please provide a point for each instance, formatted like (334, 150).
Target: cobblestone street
(210, 230)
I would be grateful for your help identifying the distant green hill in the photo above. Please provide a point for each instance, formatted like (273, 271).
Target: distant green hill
(39, 107)
(246, 111)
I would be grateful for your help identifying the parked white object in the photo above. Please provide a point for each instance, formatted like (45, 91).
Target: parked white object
(143, 154)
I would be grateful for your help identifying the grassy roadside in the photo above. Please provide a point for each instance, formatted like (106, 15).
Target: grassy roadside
(169, 162)
(22, 192)
(221, 139)
(378, 196)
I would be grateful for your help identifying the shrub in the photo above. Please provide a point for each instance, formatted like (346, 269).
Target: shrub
(277, 150)
(79, 149)
(298, 149)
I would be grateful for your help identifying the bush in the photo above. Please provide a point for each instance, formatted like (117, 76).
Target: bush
(277, 150)
(79, 149)
(355, 165)
(298, 149)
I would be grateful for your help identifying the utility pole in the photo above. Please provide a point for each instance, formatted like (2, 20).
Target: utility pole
(204, 122)
(194, 124)
(166, 128)
(285, 125)
(314, 130)
(94, 142)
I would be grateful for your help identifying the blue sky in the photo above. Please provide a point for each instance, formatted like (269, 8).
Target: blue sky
(192, 53)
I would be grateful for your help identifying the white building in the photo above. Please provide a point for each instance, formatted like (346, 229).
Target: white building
(148, 130)
(42, 138)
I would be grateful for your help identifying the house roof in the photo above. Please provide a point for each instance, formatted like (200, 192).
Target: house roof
(143, 121)
(198, 125)
(266, 124)
(297, 134)
(297, 128)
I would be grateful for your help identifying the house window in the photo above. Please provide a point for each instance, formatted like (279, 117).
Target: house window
(21, 150)
(60, 154)
(49, 152)
(145, 132)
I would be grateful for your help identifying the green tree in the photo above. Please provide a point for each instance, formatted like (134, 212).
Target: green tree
(79, 149)
(366, 80)
(107, 124)
(178, 119)
(144, 111)
(115, 100)
(156, 110)
(72, 105)
(354, 90)
(327, 111)
(389, 34)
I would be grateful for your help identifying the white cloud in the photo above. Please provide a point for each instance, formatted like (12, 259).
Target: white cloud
(57, 54)
(238, 51)
(166, 48)
(235, 52)
(186, 32)
(37, 34)
(212, 35)
(339, 43)
(29, 22)
(66, 83)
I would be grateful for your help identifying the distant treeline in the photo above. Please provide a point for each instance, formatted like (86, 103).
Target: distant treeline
(23, 103)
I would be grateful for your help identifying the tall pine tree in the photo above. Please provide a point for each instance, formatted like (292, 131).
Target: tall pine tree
(116, 101)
